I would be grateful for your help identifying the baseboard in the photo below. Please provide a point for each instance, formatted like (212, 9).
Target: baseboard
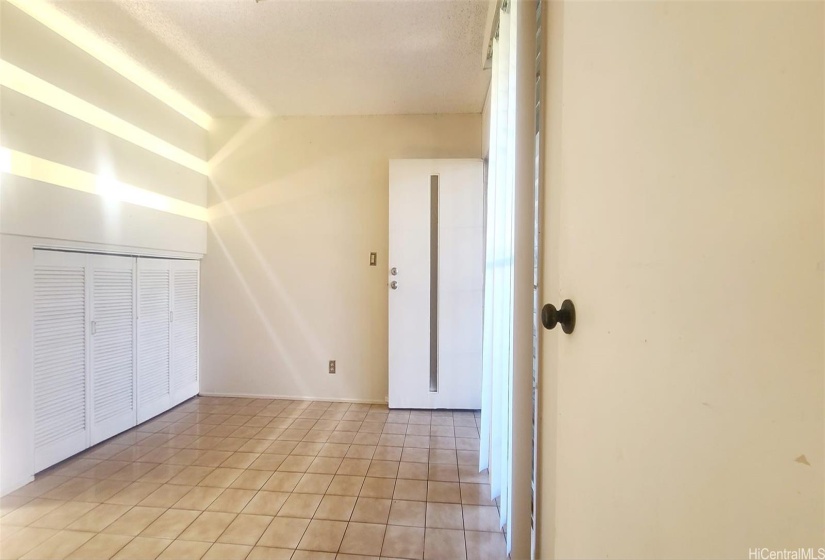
(15, 486)
(291, 398)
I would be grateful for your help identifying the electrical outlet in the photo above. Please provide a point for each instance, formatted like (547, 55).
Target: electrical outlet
(332, 366)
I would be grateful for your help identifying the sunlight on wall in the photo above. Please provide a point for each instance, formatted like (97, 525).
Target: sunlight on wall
(113, 58)
(29, 85)
(38, 169)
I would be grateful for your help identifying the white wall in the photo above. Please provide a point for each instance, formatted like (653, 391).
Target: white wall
(684, 217)
(296, 206)
(35, 213)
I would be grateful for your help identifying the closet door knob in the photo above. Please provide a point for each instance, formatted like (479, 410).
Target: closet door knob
(566, 316)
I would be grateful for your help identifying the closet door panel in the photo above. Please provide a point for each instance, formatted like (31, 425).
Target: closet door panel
(59, 356)
(154, 293)
(185, 299)
(112, 355)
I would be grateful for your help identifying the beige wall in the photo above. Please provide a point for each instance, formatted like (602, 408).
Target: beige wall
(684, 216)
(296, 206)
(41, 214)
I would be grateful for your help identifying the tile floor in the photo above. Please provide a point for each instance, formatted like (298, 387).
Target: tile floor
(227, 478)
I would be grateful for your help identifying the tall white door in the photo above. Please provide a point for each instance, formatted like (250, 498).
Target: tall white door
(683, 215)
(61, 426)
(154, 320)
(112, 356)
(185, 299)
(435, 283)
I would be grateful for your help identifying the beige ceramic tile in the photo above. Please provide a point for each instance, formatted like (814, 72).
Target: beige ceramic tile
(363, 538)
(284, 532)
(142, 548)
(101, 547)
(481, 518)
(225, 551)
(335, 508)
(134, 521)
(323, 536)
(64, 515)
(300, 505)
(445, 492)
(354, 467)
(403, 542)
(266, 503)
(283, 481)
(221, 477)
(485, 545)
(371, 510)
(378, 487)
(232, 500)
(313, 483)
(444, 516)
(345, 485)
(198, 498)
(408, 513)
(444, 544)
(410, 490)
(208, 526)
(185, 550)
(171, 523)
(245, 529)
(98, 518)
(268, 553)
(166, 496)
(251, 480)
(58, 546)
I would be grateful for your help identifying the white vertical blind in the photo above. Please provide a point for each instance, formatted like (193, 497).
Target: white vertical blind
(497, 356)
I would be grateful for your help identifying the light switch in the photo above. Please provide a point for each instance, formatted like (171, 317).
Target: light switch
(373, 259)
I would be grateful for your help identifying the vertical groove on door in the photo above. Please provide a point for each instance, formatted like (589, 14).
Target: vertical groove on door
(433, 283)
(59, 353)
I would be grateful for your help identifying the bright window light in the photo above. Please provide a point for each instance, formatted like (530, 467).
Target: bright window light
(112, 57)
(40, 90)
(39, 169)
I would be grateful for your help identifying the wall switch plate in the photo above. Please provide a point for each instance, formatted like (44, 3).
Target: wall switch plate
(373, 259)
(332, 366)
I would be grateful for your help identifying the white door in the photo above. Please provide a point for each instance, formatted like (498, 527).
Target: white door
(435, 283)
(154, 316)
(112, 356)
(185, 300)
(60, 380)
(683, 215)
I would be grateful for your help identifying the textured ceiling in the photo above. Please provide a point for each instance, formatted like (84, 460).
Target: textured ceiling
(309, 57)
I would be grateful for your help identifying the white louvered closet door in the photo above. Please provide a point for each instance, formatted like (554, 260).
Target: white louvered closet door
(154, 304)
(185, 298)
(59, 356)
(112, 356)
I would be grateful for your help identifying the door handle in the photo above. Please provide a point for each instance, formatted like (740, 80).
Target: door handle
(394, 285)
(566, 316)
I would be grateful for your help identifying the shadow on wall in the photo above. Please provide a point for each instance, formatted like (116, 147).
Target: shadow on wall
(296, 205)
